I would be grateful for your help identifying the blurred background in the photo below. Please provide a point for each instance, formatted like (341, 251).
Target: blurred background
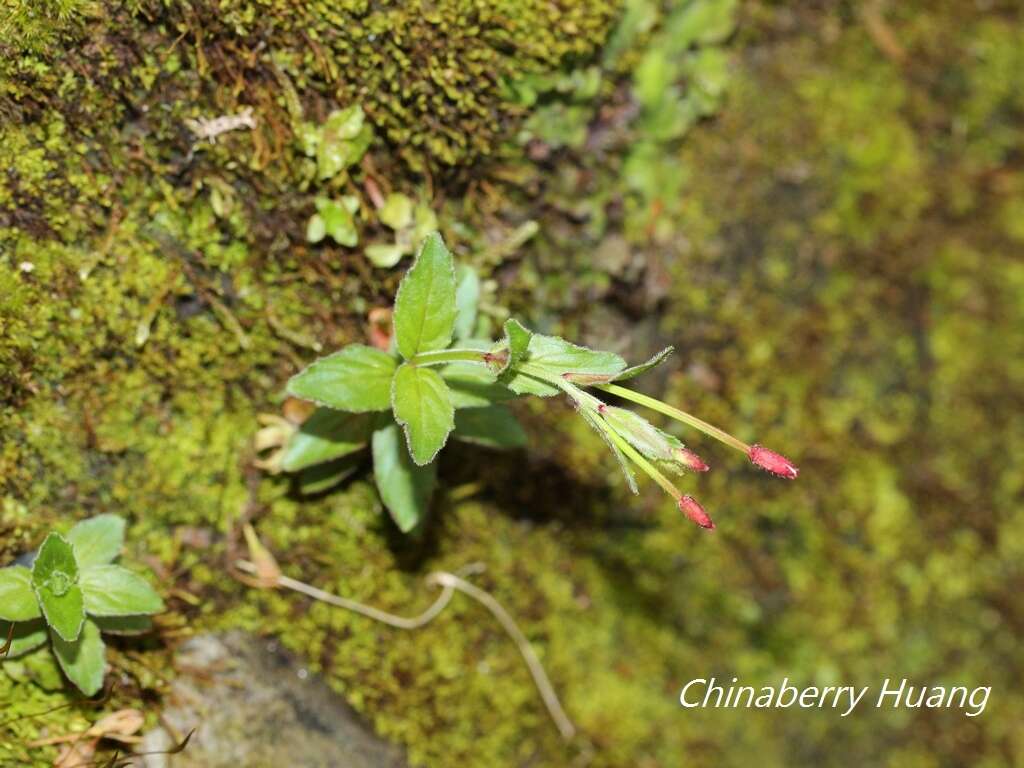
(819, 204)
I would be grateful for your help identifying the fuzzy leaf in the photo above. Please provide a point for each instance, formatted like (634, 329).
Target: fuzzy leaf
(17, 599)
(323, 477)
(517, 341)
(495, 427)
(84, 660)
(123, 625)
(640, 433)
(97, 540)
(467, 297)
(327, 434)
(422, 405)
(28, 635)
(424, 315)
(55, 582)
(356, 379)
(636, 370)
(111, 590)
(593, 420)
(553, 357)
(404, 487)
(473, 386)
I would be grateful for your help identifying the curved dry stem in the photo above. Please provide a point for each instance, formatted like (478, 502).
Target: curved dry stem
(449, 583)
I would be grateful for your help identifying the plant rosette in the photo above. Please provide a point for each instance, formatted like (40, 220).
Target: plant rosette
(72, 593)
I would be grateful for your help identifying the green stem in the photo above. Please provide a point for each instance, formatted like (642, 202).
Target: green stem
(442, 356)
(641, 462)
(675, 413)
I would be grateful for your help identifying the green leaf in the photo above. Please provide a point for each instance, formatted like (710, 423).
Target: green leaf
(111, 590)
(28, 635)
(473, 386)
(636, 370)
(517, 342)
(327, 434)
(36, 666)
(17, 600)
(97, 540)
(123, 625)
(702, 21)
(424, 316)
(553, 357)
(640, 433)
(494, 426)
(84, 660)
(467, 297)
(323, 477)
(595, 423)
(397, 211)
(422, 405)
(404, 487)
(343, 139)
(356, 379)
(316, 229)
(338, 222)
(384, 255)
(55, 581)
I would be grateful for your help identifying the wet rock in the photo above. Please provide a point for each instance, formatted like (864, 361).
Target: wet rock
(254, 705)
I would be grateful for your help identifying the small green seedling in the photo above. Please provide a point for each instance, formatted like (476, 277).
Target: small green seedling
(71, 594)
(407, 403)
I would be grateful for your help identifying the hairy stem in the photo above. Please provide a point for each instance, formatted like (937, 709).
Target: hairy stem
(442, 356)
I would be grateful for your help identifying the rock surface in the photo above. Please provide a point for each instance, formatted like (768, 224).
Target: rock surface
(253, 705)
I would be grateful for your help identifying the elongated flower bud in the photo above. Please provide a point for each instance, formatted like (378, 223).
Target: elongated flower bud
(689, 459)
(690, 507)
(773, 462)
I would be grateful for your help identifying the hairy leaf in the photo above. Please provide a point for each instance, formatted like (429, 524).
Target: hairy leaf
(18, 601)
(495, 426)
(83, 660)
(634, 371)
(594, 421)
(424, 315)
(27, 636)
(123, 625)
(552, 357)
(640, 433)
(422, 405)
(473, 386)
(111, 590)
(327, 434)
(323, 477)
(97, 540)
(55, 582)
(357, 379)
(405, 488)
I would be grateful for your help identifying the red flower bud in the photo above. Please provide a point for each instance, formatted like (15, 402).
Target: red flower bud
(690, 460)
(772, 462)
(690, 507)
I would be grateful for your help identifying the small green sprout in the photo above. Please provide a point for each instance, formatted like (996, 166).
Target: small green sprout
(407, 402)
(71, 594)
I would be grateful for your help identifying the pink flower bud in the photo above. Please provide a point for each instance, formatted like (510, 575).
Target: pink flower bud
(772, 462)
(690, 507)
(690, 460)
